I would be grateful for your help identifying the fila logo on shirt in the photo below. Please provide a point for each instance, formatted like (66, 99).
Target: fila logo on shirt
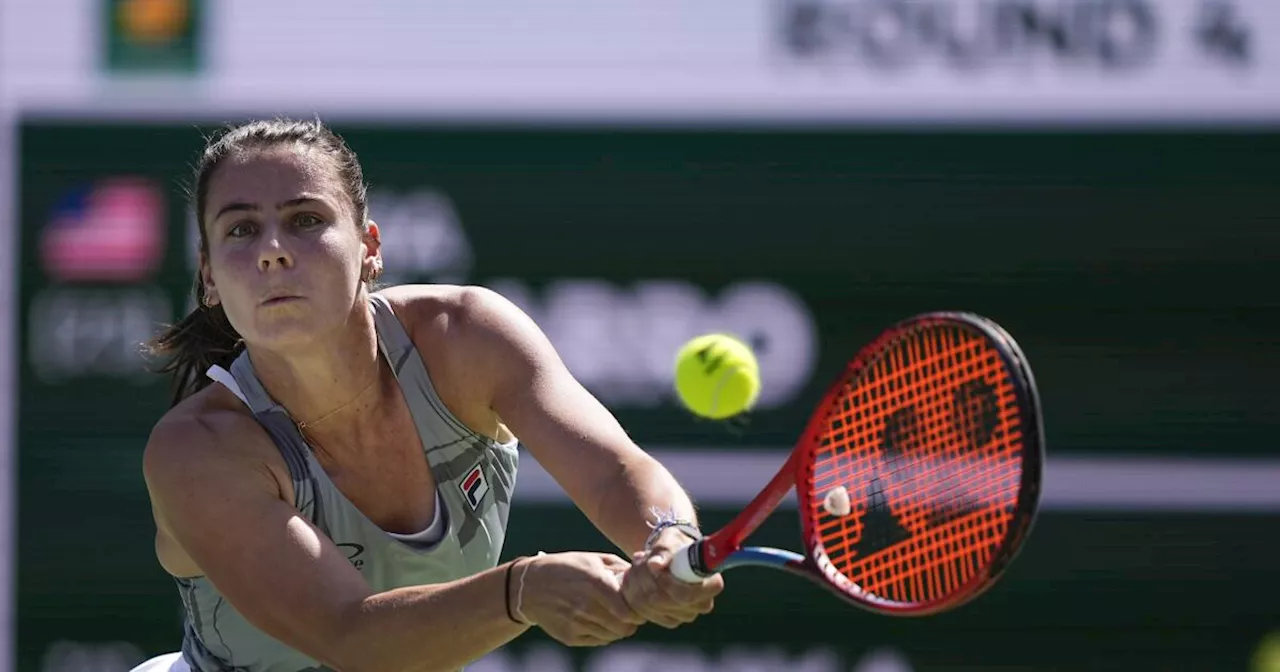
(474, 486)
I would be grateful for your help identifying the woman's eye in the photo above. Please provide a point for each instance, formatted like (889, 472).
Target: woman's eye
(240, 230)
(307, 220)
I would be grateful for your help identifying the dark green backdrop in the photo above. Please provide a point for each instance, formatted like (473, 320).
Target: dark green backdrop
(1137, 270)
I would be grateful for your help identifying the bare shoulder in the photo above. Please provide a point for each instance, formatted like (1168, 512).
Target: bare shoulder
(204, 459)
(209, 435)
(437, 311)
(473, 342)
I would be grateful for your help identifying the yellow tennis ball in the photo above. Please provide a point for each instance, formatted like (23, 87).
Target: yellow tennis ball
(1267, 656)
(717, 376)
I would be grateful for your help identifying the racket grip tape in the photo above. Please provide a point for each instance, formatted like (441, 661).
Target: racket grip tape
(686, 563)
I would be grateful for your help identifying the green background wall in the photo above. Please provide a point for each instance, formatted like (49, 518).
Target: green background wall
(1137, 270)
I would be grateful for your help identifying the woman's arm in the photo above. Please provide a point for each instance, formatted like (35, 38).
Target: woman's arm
(215, 497)
(573, 436)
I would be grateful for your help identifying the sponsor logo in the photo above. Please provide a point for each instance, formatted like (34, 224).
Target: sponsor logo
(153, 35)
(353, 553)
(79, 331)
(645, 321)
(474, 486)
(732, 657)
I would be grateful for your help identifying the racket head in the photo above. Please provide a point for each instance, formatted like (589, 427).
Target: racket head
(935, 433)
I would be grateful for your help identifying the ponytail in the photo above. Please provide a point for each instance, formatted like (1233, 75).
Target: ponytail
(202, 339)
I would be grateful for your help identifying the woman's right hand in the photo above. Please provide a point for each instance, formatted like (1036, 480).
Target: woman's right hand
(576, 597)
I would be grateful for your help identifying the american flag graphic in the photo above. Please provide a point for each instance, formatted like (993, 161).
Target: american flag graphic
(110, 230)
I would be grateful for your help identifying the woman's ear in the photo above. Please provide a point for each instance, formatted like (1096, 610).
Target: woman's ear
(209, 291)
(372, 262)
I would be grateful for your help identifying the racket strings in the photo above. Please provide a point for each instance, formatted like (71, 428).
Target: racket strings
(928, 505)
(927, 443)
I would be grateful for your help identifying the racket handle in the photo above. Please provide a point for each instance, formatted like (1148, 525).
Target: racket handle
(686, 563)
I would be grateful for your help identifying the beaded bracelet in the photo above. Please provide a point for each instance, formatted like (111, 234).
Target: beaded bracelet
(668, 519)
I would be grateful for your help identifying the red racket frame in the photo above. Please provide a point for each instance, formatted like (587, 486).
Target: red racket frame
(712, 552)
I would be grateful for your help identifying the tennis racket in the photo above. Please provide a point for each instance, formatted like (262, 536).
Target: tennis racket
(917, 478)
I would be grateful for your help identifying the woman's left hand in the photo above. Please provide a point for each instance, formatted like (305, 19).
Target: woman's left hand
(656, 595)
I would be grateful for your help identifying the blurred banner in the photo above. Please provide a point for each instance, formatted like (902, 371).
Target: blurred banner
(942, 61)
(1137, 270)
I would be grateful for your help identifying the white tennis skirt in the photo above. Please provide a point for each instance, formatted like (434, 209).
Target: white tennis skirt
(169, 662)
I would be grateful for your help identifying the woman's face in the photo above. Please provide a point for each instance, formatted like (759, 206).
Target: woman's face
(286, 258)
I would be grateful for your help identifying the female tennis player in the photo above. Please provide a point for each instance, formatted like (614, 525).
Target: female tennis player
(332, 484)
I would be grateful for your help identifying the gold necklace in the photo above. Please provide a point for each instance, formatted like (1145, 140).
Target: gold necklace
(302, 426)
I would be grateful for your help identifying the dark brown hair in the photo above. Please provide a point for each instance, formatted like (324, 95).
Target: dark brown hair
(205, 337)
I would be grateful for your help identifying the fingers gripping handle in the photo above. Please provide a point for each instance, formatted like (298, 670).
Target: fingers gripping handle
(687, 565)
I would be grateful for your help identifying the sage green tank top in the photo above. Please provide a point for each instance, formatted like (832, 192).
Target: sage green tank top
(475, 478)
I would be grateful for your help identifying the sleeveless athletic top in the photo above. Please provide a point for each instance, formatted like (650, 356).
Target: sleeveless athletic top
(474, 477)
